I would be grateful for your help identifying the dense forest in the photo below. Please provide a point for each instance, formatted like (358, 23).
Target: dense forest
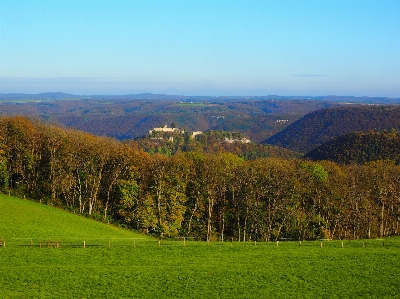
(359, 148)
(320, 126)
(215, 196)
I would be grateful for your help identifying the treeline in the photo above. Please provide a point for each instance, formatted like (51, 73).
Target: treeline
(215, 196)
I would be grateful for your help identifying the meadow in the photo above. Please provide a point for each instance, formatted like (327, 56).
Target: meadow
(110, 266)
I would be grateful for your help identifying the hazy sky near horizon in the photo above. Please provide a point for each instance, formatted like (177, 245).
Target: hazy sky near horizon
(199, 47)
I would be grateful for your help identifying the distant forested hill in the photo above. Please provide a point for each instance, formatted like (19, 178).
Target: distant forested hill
(211, 142)
(359, 148)
(320, 126)
(132, 117)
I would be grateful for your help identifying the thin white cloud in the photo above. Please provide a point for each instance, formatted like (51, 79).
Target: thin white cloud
(310, 75)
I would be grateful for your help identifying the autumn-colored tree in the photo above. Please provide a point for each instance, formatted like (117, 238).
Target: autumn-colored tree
(165, 192)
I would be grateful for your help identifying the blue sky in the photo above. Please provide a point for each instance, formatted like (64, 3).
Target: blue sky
(318, 47)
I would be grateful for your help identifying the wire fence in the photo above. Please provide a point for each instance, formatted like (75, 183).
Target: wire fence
(71, 242)
(188, 241)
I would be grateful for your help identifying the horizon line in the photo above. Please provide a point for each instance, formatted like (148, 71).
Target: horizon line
(183, 95)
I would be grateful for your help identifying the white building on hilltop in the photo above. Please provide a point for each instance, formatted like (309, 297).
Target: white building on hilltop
(166, 129)
(243, 140)
(196, 133)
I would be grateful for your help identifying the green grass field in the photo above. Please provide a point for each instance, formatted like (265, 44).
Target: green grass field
(198, 270)
(24, 219)
(193, 104)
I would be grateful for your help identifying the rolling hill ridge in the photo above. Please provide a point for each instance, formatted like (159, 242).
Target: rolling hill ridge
(359, 148)
(320, 126)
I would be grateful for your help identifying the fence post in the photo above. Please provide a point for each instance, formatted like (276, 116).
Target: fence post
(84, 244)
(342, 245)
(321, 244)
(109, 244)
(134, 243)
(184, 241)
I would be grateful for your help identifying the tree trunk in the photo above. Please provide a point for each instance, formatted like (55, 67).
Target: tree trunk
(382, 220)
(223, 227)
(210, 206)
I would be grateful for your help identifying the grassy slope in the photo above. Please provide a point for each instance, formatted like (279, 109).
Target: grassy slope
(26, 219)
(201, 271)
(195, 271)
